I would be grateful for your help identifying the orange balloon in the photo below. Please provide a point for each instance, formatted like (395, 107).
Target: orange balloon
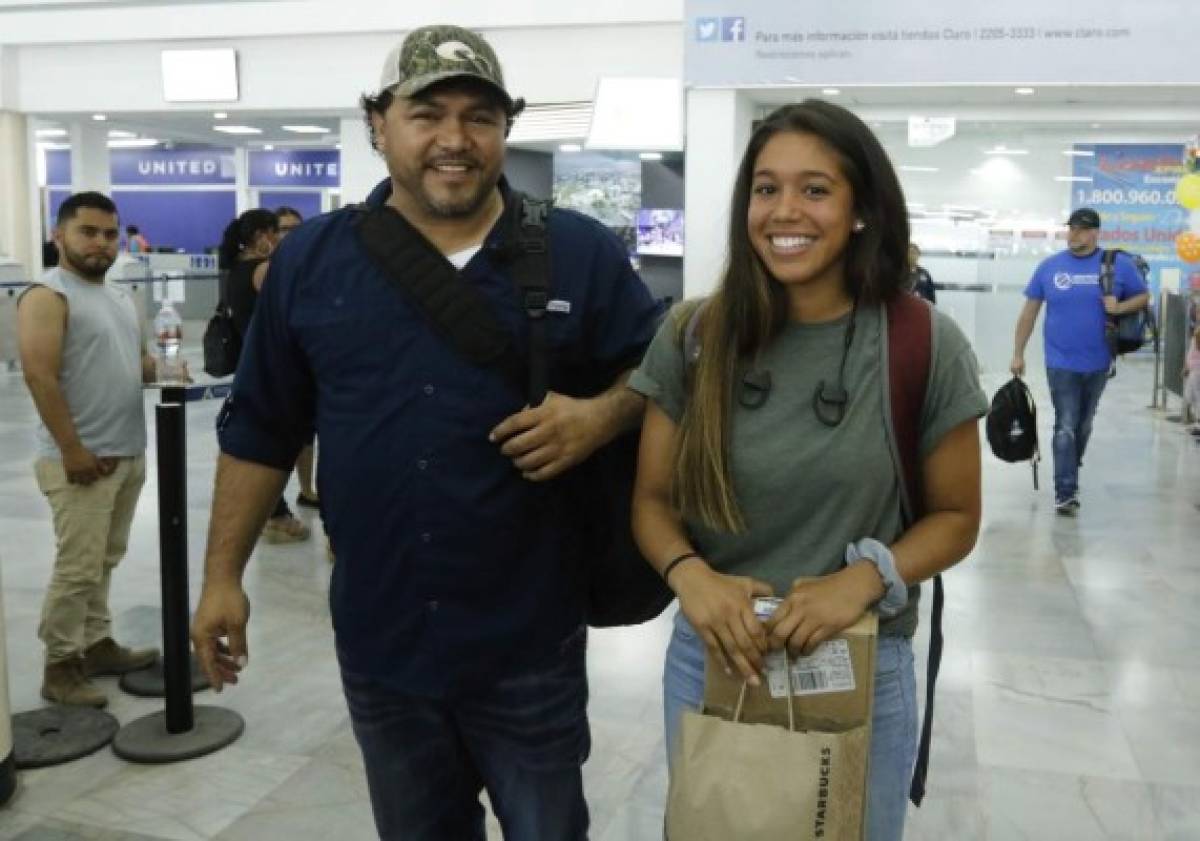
(1187, 246)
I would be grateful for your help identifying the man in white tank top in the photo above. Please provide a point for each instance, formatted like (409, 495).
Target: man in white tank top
(85, 362)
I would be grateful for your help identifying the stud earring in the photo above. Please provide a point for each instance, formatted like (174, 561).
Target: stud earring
(859, 226)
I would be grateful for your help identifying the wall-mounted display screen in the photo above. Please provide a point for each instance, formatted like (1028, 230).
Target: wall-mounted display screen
(660, 232)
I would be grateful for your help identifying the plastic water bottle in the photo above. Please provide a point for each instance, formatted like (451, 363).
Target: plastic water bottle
(168, 334)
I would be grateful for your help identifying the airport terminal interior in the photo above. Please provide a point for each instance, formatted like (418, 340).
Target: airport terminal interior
(1071, 675)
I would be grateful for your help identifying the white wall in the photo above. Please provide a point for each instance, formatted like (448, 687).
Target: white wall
(8, 78)
(546, 64)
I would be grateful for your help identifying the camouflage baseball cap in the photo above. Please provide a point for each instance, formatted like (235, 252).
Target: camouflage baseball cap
(432, 54)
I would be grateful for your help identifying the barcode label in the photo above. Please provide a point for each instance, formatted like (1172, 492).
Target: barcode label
(828, 669)
(808, 682)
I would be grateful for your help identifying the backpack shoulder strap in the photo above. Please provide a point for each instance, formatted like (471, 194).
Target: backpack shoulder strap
(1108, 259)
(456, 309)
(530, 239)
(909, 355)
(908, 346)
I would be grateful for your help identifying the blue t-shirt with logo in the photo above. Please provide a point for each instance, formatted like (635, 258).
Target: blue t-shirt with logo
(1070, 287)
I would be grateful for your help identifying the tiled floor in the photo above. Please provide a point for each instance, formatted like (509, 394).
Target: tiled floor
(1067, 707)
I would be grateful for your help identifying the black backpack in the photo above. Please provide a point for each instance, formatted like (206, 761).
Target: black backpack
(1126, 333)
(1012, 425)
(619, 586)
(222, 343)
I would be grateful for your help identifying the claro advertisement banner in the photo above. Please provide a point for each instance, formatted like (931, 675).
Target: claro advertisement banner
(945, 42)
(1132, 185)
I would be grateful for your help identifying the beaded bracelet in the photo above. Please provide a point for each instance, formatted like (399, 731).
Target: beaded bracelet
(676, 562)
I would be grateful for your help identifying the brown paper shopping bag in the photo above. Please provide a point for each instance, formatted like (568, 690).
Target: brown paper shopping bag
(753, 767)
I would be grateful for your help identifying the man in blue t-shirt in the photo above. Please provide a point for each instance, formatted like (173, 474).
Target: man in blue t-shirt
(1077, 356)
(456, 610)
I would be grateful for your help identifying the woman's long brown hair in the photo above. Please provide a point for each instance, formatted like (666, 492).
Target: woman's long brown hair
(750, 307)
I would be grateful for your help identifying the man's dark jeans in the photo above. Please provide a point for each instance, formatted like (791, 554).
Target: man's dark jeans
(524, 739)
(1075, 396)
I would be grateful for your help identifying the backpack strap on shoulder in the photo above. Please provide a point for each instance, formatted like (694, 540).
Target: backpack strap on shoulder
(531, 273)
(908, 346)
(1108, 259)
(909, 349)
(456, 309)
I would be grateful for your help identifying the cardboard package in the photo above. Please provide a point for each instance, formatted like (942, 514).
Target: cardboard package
(752, 767)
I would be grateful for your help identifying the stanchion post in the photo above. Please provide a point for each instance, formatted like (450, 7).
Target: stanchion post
(172, 538)
(181, 731)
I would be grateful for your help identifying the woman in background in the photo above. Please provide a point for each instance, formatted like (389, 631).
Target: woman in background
(244, 257)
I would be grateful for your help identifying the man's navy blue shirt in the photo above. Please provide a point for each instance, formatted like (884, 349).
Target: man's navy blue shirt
(451, 568)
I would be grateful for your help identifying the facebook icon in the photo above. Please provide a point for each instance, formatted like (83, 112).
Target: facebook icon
(708, 29)
(733, 29)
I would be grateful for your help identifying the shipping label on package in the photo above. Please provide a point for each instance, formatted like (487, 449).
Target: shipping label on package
(828, 669)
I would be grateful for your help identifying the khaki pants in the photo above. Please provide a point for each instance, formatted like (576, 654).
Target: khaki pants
(91, 529)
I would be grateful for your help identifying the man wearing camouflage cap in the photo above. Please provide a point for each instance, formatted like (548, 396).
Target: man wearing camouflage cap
(459, 627)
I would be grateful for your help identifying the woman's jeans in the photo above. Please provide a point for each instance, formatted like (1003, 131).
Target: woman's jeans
(893, 723)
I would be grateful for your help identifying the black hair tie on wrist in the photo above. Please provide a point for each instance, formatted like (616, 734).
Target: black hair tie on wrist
(676, 562)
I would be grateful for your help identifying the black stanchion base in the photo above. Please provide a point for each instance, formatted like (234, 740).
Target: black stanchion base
(58, 734)
(8, 777)
(149, 682)
(147, 740)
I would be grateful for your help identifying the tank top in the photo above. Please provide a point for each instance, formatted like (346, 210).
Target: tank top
(101, 372)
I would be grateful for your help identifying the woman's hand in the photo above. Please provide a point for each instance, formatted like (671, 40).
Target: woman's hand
(721, 609)
(817, 609)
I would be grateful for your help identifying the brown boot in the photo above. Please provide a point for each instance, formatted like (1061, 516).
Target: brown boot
(64, 683)
(105, 657)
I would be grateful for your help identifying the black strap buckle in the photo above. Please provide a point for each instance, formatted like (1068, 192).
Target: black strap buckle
(536, 301)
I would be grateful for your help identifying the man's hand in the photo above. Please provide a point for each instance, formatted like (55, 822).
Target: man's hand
(1111, 306)
(1017, 366)
(817, 609)
(549, 440)
(84, 467)
(219, 632)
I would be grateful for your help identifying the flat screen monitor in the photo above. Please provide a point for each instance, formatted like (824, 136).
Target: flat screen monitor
(660, 232)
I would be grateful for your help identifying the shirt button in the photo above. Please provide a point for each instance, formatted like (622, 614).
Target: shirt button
(428, 391)
(426, 537)
(422, 464)
(433, 606)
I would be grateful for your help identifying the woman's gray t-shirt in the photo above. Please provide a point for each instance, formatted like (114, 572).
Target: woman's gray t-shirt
(806, 489)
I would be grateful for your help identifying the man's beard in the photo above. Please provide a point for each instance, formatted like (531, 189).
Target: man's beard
(88, 267)
(450, 208)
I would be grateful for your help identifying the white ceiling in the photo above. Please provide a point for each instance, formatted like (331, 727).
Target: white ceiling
(182, 127)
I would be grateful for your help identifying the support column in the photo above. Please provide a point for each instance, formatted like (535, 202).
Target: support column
(718, 126)
(90, 166)
(18, 230)
(241, 172)
(362, 168)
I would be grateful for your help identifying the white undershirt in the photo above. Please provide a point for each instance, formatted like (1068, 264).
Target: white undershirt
(461, 258)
